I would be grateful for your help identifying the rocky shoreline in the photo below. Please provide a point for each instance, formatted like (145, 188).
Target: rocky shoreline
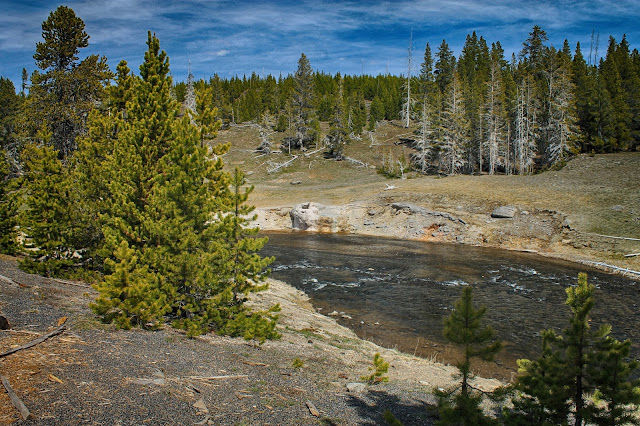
(546, 232)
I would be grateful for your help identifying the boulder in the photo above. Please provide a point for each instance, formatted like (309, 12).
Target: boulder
(356, 387)
(504, 212)
(317, 217)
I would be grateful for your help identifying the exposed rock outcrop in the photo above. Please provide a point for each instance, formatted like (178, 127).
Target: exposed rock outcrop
(319, 218)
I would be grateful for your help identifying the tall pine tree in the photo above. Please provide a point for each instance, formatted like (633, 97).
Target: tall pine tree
(464, 328)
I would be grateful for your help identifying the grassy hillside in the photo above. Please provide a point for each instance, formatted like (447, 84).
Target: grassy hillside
(599, 194)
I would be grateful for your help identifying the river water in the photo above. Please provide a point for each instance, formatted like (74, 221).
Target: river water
(396, 292)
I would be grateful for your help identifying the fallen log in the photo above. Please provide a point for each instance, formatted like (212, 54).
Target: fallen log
(68, 282)
(55, 332)
(618, 238)
(275, 167)
(238, 376)
(612, 268)
(16, 401)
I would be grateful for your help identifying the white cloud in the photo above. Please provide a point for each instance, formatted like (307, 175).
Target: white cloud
(222, 52)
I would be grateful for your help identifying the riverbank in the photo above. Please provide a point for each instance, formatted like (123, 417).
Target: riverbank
(588, 211)
(545, 232)
(97, 374)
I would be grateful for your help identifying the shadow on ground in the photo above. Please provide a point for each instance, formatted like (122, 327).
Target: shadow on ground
(372, 405)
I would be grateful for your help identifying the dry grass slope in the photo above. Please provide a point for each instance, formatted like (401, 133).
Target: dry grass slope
(598, 195)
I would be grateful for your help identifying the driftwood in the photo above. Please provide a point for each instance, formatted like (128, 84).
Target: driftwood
(255, 364)
(632, 255)
(61, 328)
(16, 401)
(612, 268)
(312, 409)
(58, 280)
(309, 154)
(275, 167)
(617, 238)
(357, 162)
(238, 376)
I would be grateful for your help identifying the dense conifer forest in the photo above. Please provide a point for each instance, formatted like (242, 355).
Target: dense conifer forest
(480, 112)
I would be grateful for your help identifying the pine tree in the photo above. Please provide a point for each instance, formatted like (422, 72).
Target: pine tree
(156, 194)
(427, 77)
(453, 133)
(611, 370)
(169, 198)
(303, 103)
(62, 96)
(338, 137)
(580, 363)
(525, 126)
(464, 328)
(10, 104)
(618, 128)
(543, 391)
(376, 112)
(534, 50)
(240, 269)
(47, 215)
(494, 111)
(426, 148)
(8, 209)
(23, 85)
(445, 66)
(560, 130)
(131, 295)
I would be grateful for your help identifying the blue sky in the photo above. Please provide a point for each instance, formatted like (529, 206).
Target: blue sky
(240, 37)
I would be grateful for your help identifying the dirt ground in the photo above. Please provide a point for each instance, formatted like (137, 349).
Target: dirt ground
(95, 374)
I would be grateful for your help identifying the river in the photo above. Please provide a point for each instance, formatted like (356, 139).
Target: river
(396, 292)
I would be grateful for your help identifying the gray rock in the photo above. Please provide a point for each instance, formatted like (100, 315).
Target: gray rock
(504, 212)
(371, 212)
(408, 208)
(296, 182)
(356, 387)
(617, 208)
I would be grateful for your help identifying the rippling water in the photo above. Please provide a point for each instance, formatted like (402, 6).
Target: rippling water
(397, 292)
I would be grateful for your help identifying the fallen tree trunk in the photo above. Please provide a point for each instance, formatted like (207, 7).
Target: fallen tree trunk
(618, 238)
(612, 268)
(275, 167)
(55, 332)
(16, 401)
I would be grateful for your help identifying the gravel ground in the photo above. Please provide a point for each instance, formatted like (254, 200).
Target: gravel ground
(95, 374)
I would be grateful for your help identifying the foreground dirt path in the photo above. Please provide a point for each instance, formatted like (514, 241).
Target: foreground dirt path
(95, 374)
